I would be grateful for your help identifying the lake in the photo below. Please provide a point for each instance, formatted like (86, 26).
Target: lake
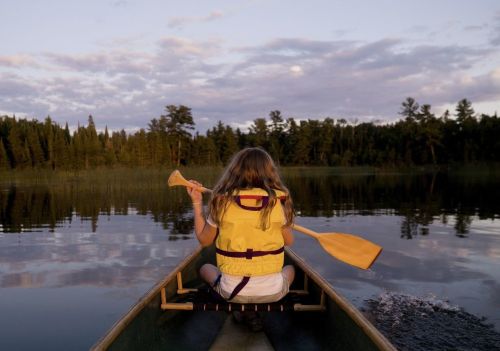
(78, 249)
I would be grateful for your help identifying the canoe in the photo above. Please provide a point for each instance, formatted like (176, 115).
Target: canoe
(313, 317)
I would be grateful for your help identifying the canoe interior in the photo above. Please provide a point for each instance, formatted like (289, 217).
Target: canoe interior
(147, 327)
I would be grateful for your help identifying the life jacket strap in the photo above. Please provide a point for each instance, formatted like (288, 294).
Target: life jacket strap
(265, 201)
(249, 253)
(258, 197)
(239, 287)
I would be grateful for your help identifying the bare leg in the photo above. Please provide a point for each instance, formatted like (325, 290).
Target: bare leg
(209, 273)
(289, 272)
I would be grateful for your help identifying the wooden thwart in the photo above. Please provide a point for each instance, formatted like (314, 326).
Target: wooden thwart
(180, 289)
(229, 306)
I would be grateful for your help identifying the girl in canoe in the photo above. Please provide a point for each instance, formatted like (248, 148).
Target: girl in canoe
(250, 218)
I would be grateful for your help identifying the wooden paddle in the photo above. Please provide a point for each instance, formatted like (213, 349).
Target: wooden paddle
(347, 248)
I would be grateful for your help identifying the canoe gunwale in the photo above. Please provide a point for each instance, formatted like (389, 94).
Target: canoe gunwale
(108, 338)
(373, 333)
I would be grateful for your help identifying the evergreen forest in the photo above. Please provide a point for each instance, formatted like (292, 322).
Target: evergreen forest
(417, 138)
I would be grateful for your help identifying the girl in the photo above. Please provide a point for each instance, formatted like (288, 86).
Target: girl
(250, 218)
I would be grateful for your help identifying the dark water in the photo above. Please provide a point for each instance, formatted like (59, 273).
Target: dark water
(76, 252)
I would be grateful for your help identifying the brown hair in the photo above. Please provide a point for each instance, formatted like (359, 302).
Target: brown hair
(250, 168)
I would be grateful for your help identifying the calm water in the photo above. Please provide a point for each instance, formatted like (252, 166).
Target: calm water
(77, 251)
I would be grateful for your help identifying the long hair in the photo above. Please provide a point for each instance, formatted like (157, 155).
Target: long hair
(250, 168)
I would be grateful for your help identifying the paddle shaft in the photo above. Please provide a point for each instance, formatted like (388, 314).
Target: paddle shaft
(306, 231)
(199, 188)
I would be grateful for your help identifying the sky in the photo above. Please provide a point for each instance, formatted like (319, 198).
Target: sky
(123, 61)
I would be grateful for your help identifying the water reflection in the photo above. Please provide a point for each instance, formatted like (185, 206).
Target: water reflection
(31, 208)
(118, 256)
(418, 199)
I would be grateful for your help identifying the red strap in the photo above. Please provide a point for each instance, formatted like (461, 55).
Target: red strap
(258, 197)
(265, 201)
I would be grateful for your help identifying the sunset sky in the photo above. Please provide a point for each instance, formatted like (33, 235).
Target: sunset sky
(123, 61)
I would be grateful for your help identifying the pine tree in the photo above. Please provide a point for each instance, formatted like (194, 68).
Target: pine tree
(303, 147)
(291, 140)
(468, 129)
(409, 109)
(431, 130)
(230, 145)
(178, 121)
(107, 146)
(205, 150)
(93, 148)
(61, 149)
(464, 111)
(34, 146)
(17, 148)
(325, 141)
(77, 150)
(48, 141)
(259, 133)
(276, 136)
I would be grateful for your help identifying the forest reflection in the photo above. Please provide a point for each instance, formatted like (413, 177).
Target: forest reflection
(419, 199)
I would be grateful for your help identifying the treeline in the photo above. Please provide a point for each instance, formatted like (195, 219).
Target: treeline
(418, 138)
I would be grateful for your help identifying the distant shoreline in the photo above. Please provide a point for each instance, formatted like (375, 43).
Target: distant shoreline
(161, 173)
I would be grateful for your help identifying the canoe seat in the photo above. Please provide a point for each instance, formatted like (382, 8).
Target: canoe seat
(203, 299)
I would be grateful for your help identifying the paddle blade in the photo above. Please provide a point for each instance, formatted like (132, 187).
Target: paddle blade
(176, 178)
(350, 249)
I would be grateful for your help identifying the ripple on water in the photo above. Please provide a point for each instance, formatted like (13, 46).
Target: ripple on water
(426, 323)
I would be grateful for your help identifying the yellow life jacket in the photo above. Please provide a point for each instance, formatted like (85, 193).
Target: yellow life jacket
(243, 247)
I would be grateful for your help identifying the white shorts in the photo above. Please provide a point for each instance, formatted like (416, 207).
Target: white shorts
(253, 299)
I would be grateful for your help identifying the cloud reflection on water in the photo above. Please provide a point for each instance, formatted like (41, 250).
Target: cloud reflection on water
(116, 255)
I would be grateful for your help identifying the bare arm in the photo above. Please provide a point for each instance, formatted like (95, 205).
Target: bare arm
(205, 233)
(287, 235)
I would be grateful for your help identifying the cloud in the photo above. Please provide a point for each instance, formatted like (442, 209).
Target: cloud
(495, 36)
(119, 3)
(17, 61)
(111, 62)
(183, 47)
(303, 78)
(418, 28)
(474, 28)
(496, 39)
(344, 78)
(178, 22)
